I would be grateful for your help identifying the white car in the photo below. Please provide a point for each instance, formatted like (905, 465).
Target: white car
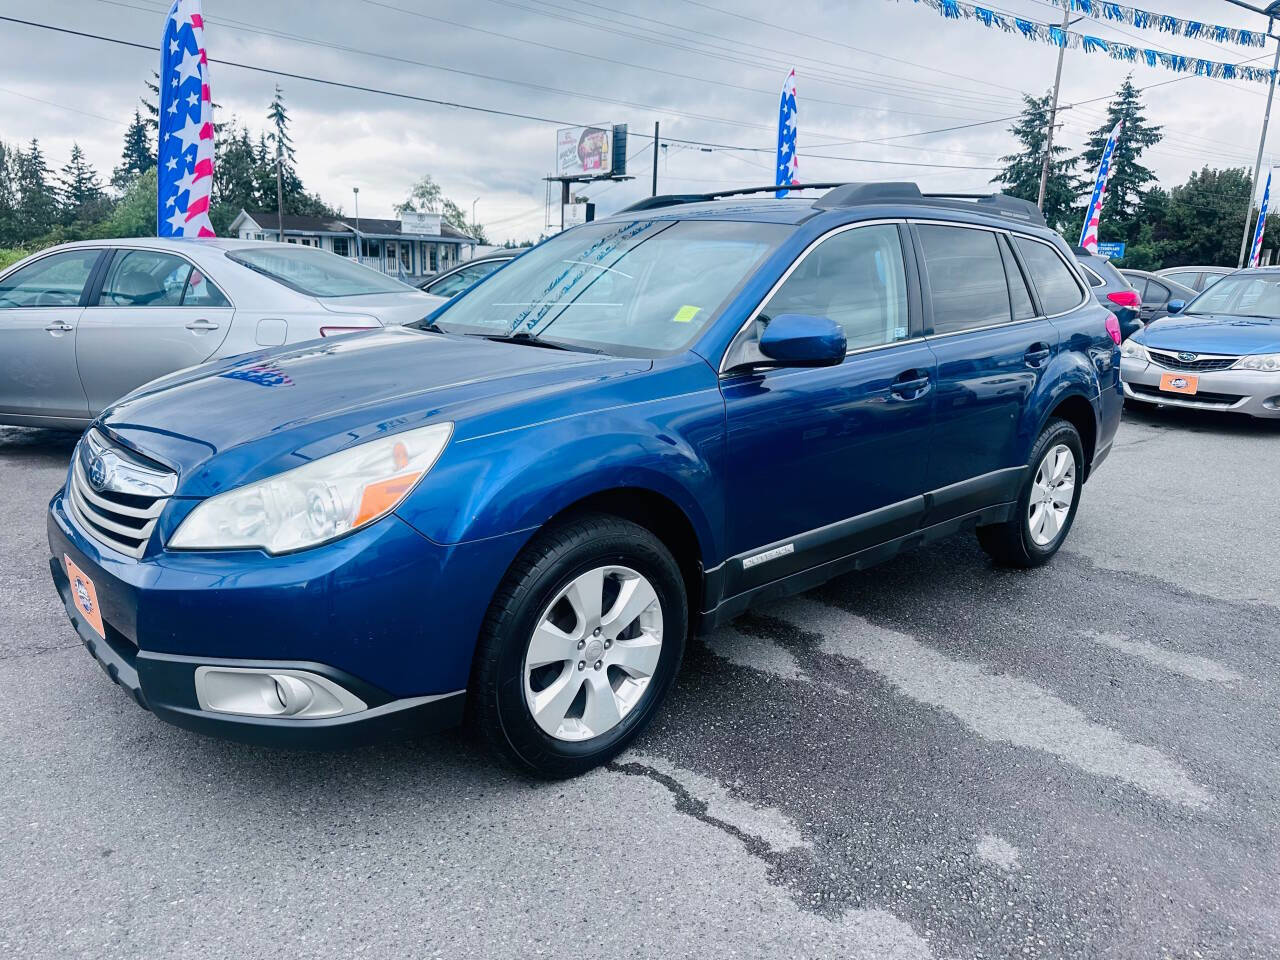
(83, 324)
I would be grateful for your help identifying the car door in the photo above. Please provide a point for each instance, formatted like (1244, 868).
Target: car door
(40, 311)
(155, 313)
(1155, 301)
(825, 461)
(992, 346)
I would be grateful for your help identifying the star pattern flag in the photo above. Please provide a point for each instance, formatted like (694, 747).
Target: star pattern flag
(1255, 252)
(185, 145)
(1089, 234)
(787, 161)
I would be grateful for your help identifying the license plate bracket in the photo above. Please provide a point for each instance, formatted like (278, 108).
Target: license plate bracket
(84, 596)
(1184, 383)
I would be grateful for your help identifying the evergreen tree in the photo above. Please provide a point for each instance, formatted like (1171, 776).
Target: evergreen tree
(8, 196)
(37, 200)
(1129, 178)
(80, 194)
(1021, 174)
(151, 103)
(137, 157)
(279, 135)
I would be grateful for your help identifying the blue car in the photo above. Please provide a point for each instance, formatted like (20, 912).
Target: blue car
(516, 511)
(1219, 352)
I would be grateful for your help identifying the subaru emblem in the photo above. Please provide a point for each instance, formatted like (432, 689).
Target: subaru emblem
(97, 474)
(1187, 357)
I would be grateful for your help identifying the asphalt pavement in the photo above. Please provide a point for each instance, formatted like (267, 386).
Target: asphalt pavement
(934, 758)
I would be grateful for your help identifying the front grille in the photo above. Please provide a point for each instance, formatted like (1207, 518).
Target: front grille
(122, 520)
(1170, 361)
(1199, 398)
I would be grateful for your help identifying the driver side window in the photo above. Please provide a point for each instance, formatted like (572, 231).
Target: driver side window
(856, 278)
(54, 281)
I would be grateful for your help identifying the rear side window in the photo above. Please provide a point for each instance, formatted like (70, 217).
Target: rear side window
(1054, 281)
(855, 278)
(145, 278)
(967, 281)
(54, 281)
(1019, 295)
(1156, 294)
(201, 292)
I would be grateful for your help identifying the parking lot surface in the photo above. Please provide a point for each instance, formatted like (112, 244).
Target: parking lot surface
(934, 758)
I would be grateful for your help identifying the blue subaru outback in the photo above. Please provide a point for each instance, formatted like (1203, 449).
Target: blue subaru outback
(516, 511)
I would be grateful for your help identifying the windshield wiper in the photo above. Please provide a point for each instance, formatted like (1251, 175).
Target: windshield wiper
(525, 337)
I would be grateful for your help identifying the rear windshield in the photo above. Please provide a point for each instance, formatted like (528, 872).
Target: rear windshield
(1242, 295)
(316, 273)
(639, 287)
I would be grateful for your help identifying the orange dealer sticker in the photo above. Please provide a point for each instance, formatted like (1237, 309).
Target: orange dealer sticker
(85, 596)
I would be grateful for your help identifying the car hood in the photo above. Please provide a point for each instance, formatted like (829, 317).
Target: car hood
(1213, 333)
(232, 421)
(393, 309)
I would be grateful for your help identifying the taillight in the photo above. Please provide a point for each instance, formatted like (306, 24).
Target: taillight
(337, 331)
(1113, 327)
(1125, 298)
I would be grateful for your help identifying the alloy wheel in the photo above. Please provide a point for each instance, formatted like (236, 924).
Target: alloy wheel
(593, 652)
(1052, 493)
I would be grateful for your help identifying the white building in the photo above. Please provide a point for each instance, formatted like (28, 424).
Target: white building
(416, 245)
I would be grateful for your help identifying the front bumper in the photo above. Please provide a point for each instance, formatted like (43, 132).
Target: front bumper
(1232, 391)
(386, 614)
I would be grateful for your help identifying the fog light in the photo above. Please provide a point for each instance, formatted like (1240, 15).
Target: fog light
(266, 692)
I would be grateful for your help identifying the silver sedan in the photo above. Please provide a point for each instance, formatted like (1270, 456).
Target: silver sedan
(83, 324)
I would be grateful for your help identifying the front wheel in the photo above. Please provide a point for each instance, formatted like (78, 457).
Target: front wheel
(580, 645)
(1047, 502)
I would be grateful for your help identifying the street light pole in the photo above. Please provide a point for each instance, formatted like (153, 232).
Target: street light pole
(1262, 142)
(1053, 109)
(356, 192)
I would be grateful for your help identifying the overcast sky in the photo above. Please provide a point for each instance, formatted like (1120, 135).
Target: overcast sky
(708, 71)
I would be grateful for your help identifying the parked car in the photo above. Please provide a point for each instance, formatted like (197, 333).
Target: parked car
(453, 282)
(1112, 290)
(525, 502)
(1197, 278)
(1156, 293)
(1220, 352)
(82, 324)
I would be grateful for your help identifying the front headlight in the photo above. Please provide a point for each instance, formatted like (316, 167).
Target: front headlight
(1134, 350)
(1266, 362)
(318, 502)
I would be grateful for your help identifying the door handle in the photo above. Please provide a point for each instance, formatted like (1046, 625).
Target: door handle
(910, 385)
(60, 326)
(202, 326)
(1037, 354)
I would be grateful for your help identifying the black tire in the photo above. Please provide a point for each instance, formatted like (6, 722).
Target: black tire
(553, 559)
(1010, 544)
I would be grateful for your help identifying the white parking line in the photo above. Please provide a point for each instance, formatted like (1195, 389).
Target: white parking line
(1187, 664)
(996, 707)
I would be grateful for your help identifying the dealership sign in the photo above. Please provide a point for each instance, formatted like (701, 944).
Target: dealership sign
(590, 153)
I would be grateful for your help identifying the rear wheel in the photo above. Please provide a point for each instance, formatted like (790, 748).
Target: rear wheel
(579, 647)
(1047, 502)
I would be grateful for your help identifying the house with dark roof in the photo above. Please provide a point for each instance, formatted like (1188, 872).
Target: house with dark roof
(416, 245)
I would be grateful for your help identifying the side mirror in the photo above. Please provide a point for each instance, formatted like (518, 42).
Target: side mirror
(800, 340)
(1176, 306)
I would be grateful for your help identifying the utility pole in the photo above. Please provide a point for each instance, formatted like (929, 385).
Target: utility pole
(359, 253)
(1053, 109)
(1262, 142)
(279, 196)
(655, 159)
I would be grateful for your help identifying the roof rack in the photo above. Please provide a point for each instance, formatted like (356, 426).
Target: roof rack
(840, 195)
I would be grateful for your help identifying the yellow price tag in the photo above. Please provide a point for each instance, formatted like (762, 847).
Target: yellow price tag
(686, 314)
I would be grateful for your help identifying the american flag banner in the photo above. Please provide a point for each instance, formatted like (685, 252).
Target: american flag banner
(787, 161)
(185, 146)
(1255, 252)
(1089, 234)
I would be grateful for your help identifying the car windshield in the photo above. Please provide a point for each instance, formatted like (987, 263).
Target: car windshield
(632, 287)
(316, 273)
(1242, 295)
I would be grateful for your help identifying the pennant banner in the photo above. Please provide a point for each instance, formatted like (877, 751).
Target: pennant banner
(1089, 232)
(1102, 10)
(787, 162)
(1256, 253)
(1046, 33)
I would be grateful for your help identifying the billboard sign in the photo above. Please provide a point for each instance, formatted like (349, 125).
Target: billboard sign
(588, 153)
